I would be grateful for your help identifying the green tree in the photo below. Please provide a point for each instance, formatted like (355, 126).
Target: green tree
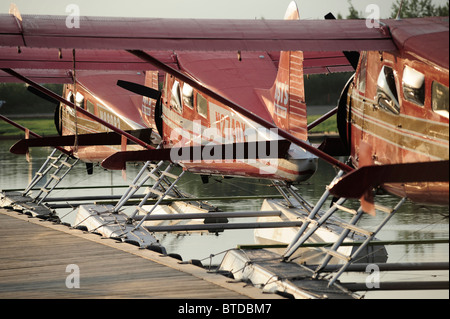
(353, 13)
(18, 100)
(418, 8)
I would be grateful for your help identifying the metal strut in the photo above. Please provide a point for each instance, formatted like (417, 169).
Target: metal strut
(296, 242)
(136, 184)
(111, 222)
(289, 192)
(353, 256)
(42, 171)
(160, 189)
(315, 220)
(153, 190)
(56, 176)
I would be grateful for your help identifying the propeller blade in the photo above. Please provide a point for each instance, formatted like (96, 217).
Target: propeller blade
(140, 89)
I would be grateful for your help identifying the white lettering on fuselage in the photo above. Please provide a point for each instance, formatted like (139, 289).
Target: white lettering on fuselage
(109, 118)
(281, 99)
(146, 106)
(229, 127)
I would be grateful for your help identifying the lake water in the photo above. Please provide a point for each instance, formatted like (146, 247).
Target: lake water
(411, 222)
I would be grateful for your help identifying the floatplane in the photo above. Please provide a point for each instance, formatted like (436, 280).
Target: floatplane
(241, 112)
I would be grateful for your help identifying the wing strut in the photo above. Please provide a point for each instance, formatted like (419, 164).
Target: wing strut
(146, 57)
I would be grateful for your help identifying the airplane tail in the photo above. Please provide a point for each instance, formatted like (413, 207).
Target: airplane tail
(286, 99)
(152, 79)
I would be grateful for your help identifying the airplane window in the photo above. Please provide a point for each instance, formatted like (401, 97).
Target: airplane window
(413, 86)
(202, 106)
(175, 100)
(439, 98)
(70, 96)
(90, 107)
(80, 100)
(188, 95)
(387, 97)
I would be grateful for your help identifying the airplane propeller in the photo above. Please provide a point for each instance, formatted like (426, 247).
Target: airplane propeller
(140, 89)
(148, 92)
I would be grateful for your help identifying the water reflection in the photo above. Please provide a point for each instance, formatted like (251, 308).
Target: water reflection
(411, 222)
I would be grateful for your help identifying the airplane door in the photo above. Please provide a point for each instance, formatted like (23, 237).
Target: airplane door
(360, 89)
(356, 108)
(344, 116)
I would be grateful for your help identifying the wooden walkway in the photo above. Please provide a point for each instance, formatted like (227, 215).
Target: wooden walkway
(34, 255)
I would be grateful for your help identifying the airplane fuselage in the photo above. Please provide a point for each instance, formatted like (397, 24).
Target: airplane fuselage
(70, 123)
(188, 119)
(398, 112)
(192, 119)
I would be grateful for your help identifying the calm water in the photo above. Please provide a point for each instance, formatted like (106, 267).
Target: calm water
(411, 222)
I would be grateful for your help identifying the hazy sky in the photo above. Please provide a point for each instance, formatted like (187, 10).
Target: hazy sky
(231, 9)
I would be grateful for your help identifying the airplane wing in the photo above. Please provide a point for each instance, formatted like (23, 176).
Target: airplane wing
(30, 43)
(359, 181)
(236, 77)
(231, 77)
(425, 38)
(191, 34)
(235, 151)
(108, 138)
(45, 42)
(126, 105)
(316, 62)
(44, 65)
(51, 66)
(325, 62)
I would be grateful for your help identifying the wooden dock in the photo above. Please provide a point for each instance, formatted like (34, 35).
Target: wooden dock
(34, 255)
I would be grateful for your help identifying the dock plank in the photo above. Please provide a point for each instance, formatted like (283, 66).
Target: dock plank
(34, 260)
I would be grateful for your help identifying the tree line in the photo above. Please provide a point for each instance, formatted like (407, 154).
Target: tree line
(409, 9)
(16, 99)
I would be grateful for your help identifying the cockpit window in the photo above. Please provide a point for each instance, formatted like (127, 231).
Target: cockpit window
(175, 100)
(387, 97)
(80, 100)
(70, 96)
(413, 86)
(188, 95)
(439, 98)
(202, 106)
